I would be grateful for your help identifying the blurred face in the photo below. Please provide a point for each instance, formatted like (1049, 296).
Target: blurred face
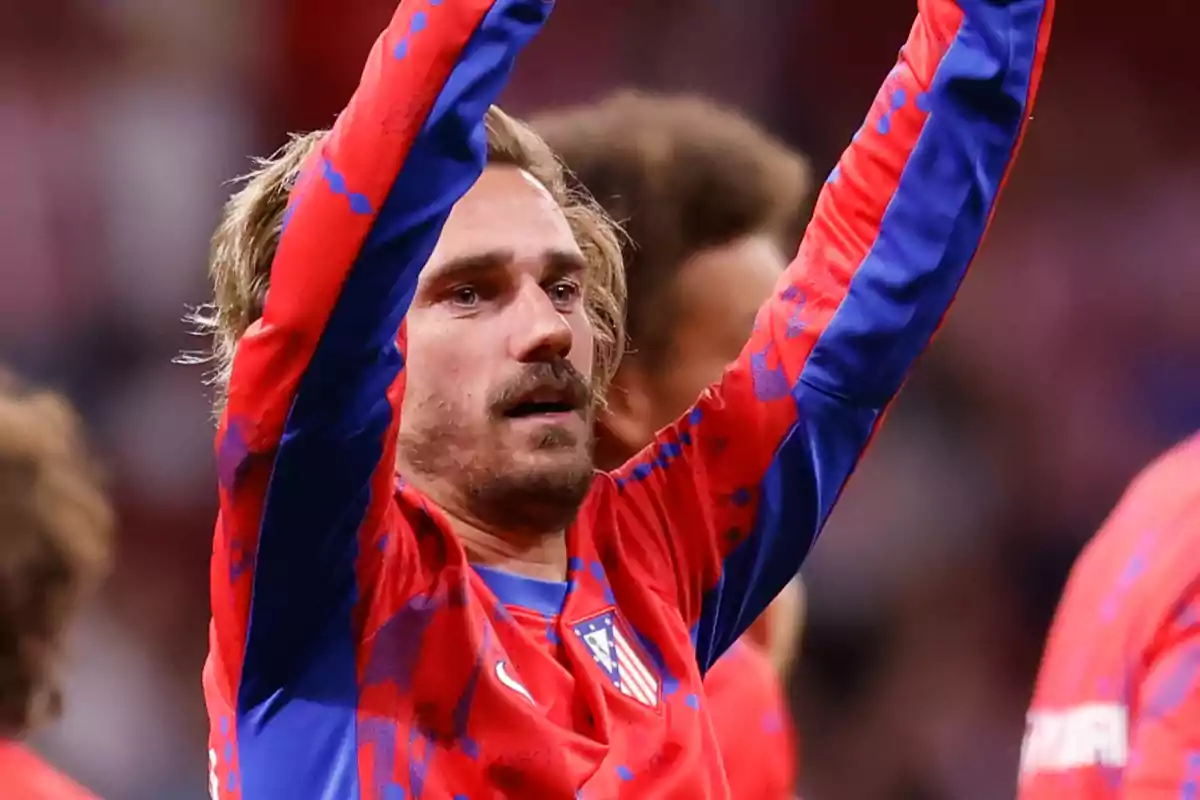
(717, 294)
(496, 420)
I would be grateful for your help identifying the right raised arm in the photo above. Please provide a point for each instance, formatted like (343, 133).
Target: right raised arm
(306, 443)
(732, 496)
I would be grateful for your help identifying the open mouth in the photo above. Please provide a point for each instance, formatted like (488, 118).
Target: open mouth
(536, 408)
(543, 401)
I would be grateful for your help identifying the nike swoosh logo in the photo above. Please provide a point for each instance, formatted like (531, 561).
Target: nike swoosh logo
(511, 682)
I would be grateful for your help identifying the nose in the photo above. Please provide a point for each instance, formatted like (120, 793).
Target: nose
(538, 331)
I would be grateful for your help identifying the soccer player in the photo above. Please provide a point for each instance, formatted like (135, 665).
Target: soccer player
(420, 586)
(707, 201)
(55, 529)
(1116, 711)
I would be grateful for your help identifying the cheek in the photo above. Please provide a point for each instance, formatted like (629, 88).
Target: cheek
(442, 369)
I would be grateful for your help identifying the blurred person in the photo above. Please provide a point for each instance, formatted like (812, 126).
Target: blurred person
(707, 200)
(418, 294)
(55, 531)
(1116, 709)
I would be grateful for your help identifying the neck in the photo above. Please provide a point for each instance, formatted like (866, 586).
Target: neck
(542, 556)
(532, 553)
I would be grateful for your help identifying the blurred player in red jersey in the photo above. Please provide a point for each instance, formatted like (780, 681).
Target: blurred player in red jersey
(1116, 711)
(55, 528)
(420, 586)
(708, 201)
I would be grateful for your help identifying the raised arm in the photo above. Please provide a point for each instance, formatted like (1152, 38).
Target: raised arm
(738, 489)
(306, 444)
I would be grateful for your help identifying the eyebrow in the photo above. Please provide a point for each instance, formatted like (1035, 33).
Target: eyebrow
(558, 264)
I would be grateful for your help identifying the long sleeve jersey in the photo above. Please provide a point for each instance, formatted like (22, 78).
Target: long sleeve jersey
(355, 651)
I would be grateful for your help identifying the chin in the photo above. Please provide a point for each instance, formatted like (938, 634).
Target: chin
(551, 465)
(539, 491)
(556, 441)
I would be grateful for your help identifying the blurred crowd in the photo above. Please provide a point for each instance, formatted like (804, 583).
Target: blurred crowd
(1072, 356)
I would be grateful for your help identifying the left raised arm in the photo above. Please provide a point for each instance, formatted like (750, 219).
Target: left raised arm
(734, 494)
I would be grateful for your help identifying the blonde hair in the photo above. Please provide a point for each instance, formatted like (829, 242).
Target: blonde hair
(245, 241)
(57, 534)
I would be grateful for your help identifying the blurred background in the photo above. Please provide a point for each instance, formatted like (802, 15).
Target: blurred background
(1072, 357)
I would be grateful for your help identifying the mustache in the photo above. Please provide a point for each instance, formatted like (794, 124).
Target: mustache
(556, 377)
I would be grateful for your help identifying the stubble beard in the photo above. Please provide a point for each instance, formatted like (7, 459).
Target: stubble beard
(492, 484)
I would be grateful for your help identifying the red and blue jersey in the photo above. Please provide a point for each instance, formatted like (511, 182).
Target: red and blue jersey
(355, 652)
(750, 719)
(1116, 711)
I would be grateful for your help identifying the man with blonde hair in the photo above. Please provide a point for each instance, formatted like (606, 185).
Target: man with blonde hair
(55, 535)
(420, 587)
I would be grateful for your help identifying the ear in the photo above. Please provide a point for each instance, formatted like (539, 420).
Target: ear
(626, 424)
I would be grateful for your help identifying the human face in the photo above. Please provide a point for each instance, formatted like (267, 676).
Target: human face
(496, 418)
(715, 297)
(717, 294)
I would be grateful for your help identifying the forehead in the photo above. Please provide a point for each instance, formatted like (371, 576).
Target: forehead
(507, 210)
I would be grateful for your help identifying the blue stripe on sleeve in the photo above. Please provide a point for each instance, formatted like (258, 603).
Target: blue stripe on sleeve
(297, 703)
(895, 302)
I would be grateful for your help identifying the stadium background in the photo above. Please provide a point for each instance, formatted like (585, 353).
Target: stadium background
(1073, 354)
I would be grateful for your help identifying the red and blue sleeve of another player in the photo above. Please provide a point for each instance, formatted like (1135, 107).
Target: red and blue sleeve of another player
(1164, 734)
(305, 447)
(1116, 709)
(739, 488)
(1163, 758)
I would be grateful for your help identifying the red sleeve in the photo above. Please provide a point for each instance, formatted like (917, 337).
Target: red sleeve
(306, 446)
(1116, 708)
(738, 489)
(1164, 735)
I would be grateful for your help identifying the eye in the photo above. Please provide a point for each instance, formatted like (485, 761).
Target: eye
(563, 293)
(464, 296)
